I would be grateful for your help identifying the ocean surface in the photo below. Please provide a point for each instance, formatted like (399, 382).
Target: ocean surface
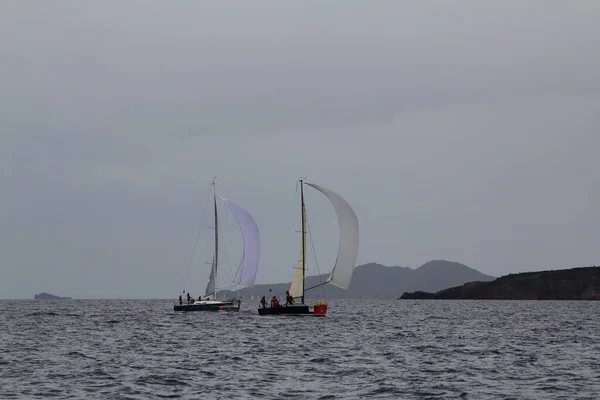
(363, 349)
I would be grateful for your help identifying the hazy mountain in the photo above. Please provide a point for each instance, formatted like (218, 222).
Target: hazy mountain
(378, 281)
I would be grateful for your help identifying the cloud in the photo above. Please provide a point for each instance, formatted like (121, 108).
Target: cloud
(462, 132)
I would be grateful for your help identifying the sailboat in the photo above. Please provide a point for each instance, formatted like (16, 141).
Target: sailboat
(246, 272)
(342, 271)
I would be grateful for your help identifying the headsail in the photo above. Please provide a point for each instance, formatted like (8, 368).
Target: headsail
(341, 275)
(297, 287)
(246, 273)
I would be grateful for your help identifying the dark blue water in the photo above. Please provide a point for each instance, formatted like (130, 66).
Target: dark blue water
(361, 350)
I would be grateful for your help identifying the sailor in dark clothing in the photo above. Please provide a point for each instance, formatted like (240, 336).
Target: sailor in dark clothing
(188, 298)
(180, 300)
(289, 299)
(263, 302)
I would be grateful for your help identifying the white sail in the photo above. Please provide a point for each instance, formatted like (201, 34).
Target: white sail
(211, 287)
(297, 287)
(341, 275)
(246, 273)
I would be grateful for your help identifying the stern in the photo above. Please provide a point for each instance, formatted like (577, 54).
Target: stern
(320, 308)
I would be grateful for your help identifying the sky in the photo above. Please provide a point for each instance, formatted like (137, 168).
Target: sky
(458, 130)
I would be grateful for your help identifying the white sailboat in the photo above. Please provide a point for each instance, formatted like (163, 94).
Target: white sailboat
(342, 271)
(246, 273)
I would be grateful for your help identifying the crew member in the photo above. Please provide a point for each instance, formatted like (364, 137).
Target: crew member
(289, 299)
(274, 302)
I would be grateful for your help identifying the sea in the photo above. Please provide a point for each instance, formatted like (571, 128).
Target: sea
(362, 349)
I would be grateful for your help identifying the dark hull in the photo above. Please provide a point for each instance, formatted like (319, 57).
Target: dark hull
(222, 306)
(300, 309)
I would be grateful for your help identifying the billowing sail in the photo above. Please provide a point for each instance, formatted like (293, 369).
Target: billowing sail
(341, 275)
(297, 287)
(246, 273)
(211, 287)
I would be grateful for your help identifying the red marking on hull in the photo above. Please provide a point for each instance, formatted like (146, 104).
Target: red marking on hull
(320, 310)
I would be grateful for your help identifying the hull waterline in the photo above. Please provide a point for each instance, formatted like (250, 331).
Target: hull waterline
(210, 306)
(299, 310)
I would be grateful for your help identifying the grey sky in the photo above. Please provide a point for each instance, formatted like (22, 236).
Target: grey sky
(462, 130)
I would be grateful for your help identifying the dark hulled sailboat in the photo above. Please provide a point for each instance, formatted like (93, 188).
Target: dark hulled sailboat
(340, 275)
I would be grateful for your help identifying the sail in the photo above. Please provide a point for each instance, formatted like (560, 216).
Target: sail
(341, 275)
(246, 273)
(297, 287)
(211, 287)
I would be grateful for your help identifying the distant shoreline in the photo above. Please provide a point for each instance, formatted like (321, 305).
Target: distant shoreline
(48, 296)
(581, 283)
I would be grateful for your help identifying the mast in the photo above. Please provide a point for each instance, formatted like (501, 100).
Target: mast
(216, 236)
(303, 238)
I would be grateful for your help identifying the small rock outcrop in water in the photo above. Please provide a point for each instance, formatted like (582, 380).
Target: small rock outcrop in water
(567, 284)
(48, 296)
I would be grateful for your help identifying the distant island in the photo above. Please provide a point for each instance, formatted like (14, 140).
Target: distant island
(376, 281)
(568, 284)
(48, 296)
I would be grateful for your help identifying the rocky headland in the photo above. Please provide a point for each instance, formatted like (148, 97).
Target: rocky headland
(567, 284)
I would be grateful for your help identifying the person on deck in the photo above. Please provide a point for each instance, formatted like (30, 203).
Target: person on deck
(180, 300)
(289, 299)
(274, 302)
(263, 302)
(188, 297)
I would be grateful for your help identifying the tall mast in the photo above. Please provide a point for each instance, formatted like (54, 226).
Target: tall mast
(216, 235)
(303, 238)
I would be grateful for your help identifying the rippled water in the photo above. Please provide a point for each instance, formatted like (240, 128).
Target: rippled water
(362, 349)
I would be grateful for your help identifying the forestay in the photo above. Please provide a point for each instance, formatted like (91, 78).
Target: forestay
(341, 275)
(246, 273)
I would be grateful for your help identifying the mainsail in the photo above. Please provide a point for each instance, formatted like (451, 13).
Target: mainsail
(297, 287)
(246, 273)
(341, 275)
(211, 287)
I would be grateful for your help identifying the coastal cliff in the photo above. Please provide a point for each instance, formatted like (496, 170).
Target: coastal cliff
(568, 284)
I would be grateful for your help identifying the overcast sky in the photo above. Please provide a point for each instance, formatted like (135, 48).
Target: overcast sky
(458, 130)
